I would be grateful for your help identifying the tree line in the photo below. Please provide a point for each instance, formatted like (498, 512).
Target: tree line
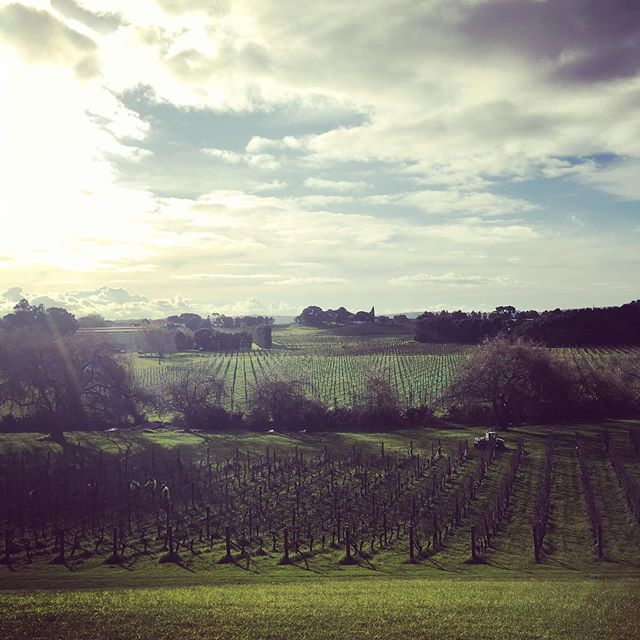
(609, 326)
(315, 316)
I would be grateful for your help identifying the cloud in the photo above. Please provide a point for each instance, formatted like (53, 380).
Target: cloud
(44, 39)
(452, 201)
(254, 306)
(261, 161)
(117, 303)
(13, 294)
(619, 178)
(225, 276)
(451, 279)
(258, 144)
(585, 42)
(294, 282)
(273, 185)
(102, 22)
(335, 185)
(479, 234)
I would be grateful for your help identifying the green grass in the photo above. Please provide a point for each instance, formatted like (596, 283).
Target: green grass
(497, 609)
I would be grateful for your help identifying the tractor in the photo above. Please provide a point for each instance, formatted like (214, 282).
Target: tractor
(483, 442)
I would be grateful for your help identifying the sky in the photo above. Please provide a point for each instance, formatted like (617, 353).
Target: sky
(259, 156)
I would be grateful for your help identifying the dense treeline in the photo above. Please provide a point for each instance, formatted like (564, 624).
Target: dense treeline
(54, 320)
(219, 332)
(610, 326)
(314, 316)
(212, 340)
(195, 321)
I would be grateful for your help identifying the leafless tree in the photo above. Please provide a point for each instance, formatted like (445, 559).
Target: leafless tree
(283, 402)
(509, 382)
(64, 381)
(194, 394)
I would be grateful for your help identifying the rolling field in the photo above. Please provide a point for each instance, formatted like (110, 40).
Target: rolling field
(571, 593)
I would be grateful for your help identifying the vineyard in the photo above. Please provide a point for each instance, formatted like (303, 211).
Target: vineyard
(330, 369)
(152, 533)
(156, 532)
(333, 369)
(550, 498)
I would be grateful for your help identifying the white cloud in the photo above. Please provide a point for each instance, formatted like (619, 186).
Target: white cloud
(307, 281)
(264, 161)
(335, 185)
(113, 303)
(225, 276)
(258, 144)
(273, 185)
(442, 202)
(451, 279)
(254, 306)
(620, 178)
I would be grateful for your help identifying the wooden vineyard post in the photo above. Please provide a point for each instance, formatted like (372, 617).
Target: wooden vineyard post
(7, 547)
(60, 559)
(412, 555)
(474, 556)
(536, 544)
(172, 554)
(115, 556)
(599, 544)
(227, 558)
(348, 558)
(285, 557)
(435, 530)
(115, 544)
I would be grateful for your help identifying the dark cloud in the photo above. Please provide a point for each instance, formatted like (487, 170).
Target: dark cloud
(100, 22)
(587, 40)
(41, 37)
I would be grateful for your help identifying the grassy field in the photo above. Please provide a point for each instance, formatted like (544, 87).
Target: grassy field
(569, 595)
(496, 609)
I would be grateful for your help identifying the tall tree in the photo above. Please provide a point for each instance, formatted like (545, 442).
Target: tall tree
(508, 383)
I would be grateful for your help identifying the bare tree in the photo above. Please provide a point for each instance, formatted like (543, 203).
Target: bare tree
(64, 382)
(508, 382)
(195, 395)
(282, 402)
(379, 394)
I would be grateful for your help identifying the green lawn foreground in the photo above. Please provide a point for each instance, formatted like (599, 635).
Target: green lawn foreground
(360, 608)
